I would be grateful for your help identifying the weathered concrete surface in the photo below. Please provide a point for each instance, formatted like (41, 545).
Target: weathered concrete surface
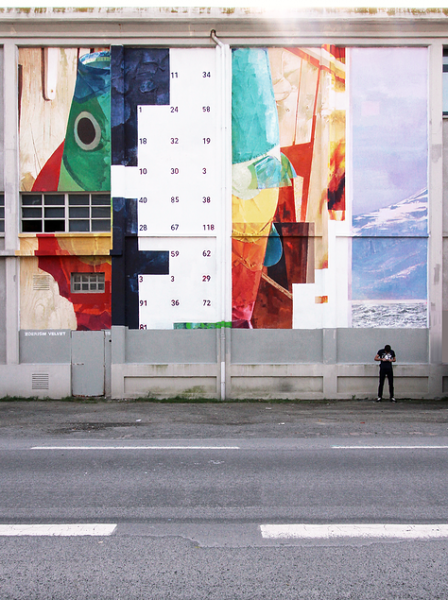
(148, 420)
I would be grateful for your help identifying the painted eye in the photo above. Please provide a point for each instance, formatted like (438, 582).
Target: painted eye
(87, 131)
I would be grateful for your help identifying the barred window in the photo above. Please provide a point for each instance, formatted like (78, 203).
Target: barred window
(76, 213)
(87, 283)
(2, 214)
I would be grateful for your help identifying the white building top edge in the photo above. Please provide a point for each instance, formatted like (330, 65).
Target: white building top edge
(283, 10)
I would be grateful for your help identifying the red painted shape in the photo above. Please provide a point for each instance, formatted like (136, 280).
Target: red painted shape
(49, 246)
(48, 178)
(301, 158)
(312, 60)
(93, 311)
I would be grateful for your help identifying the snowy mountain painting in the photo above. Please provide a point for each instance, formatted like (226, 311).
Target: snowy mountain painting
(389, 265)
(406, 218)
(389, 112)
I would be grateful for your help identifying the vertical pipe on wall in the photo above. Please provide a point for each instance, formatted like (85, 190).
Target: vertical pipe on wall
(226, 217)
(11, 183)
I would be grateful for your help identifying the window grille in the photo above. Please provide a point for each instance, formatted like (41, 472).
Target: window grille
(87, 283)
(2, 214)
(74, 213)
(445, 82)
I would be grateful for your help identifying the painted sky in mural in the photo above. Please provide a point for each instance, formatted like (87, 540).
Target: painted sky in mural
(390, 131)
(390, 198)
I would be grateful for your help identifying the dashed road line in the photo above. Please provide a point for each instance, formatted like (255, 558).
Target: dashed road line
(415, 447)
(62, 530)
(358, 530)
(135, 448)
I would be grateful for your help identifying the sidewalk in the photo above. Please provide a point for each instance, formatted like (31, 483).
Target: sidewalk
(151, 420)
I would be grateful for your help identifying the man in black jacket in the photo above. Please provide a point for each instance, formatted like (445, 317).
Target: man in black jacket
(386, 356)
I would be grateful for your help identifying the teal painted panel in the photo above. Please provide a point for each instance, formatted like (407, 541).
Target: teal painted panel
(255, 128)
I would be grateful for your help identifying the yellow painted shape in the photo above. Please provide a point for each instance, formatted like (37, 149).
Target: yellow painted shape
(252, 217)
(42, 309)
(28, 246)
(75, 244)
(86, 246)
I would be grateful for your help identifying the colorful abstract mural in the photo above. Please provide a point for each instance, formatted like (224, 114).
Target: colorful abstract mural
(65, 140)
(64, 133)
(150, 124)
(389, 110)
(288, 142)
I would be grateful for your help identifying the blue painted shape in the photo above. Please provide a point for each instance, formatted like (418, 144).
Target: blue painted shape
(389, 268)
(255, 128)
(274, 248)
(128, 262)
(288, 171)
(268, 171)
(93, 76)
(272, 173)
(140, 76)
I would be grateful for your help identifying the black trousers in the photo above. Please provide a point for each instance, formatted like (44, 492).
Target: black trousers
(390, 376)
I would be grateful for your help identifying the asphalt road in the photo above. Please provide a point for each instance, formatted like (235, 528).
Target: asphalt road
(188, 513)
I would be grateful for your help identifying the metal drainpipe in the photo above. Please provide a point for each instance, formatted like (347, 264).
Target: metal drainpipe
(225, 110)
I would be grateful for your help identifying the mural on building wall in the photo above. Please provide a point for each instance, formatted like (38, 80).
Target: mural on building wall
(288, 143)
(167, 188)
(389, 111)
(65, 129)
(150, 121)
(64, 138)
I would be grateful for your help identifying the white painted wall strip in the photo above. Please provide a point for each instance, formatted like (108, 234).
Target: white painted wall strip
(66, 530)
(135, 448)
(419, 447)
(364, 531)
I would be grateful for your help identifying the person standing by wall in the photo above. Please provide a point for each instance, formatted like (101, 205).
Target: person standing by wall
(386, 356)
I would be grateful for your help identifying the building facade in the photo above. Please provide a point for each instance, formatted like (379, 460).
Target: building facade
(222, 203)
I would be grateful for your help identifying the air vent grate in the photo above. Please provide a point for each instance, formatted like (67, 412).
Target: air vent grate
(40, 381)
(41, 282)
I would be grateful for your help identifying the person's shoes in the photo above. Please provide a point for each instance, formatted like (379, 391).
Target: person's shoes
(378, 400)
(392, 400)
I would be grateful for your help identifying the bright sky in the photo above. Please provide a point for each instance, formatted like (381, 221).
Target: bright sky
(389, 117)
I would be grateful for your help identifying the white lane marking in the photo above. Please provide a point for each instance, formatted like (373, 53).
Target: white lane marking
(135, 448)
(67, 529)
(362, 530)
(421, 447)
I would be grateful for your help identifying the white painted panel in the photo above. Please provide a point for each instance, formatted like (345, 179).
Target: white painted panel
(191, 290)
(179, 150)
(178, 186)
